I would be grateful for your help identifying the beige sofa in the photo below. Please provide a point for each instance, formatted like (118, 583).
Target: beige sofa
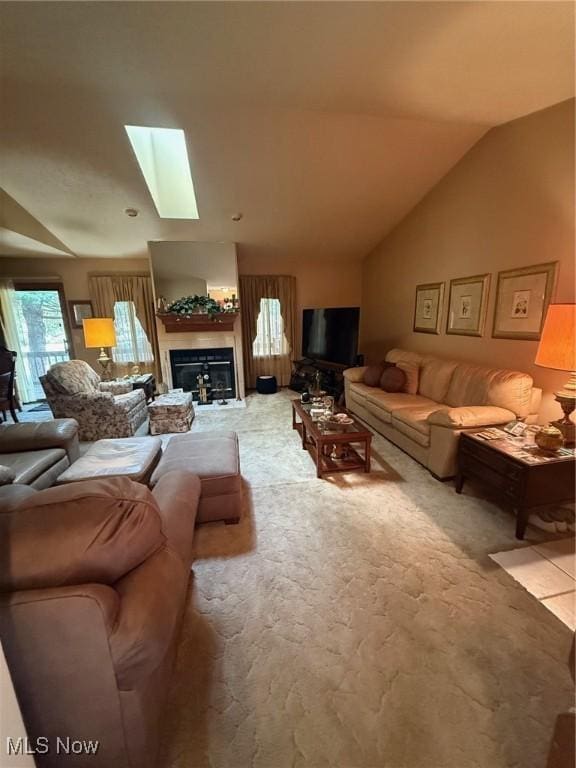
(446, 398)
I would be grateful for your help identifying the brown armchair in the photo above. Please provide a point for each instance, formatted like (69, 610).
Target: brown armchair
(93, 583)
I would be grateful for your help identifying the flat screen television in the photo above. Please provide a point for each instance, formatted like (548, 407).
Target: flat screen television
(331, 335)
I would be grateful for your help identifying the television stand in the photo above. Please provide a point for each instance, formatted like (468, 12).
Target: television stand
(331, 376)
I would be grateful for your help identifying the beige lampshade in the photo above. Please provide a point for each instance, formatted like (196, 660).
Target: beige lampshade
(99, 332)
(557, 348)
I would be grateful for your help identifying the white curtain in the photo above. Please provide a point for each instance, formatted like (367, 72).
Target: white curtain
(270, 339)
(132, 345)
(24, 384)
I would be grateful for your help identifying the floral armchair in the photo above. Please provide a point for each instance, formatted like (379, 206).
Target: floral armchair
(102, 409)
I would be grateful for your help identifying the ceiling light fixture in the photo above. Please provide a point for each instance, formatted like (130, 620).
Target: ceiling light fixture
(132, 212)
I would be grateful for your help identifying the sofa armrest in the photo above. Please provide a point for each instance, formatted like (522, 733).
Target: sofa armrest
(59, 433)
(57, 646)
(115, 387)
(469, 416)
(177, 494)
(90, 397)
(129, 400)
(355, 374)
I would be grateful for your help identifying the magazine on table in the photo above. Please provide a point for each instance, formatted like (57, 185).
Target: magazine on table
(519, 443)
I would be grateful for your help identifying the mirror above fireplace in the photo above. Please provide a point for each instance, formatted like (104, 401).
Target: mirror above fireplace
(188, 268)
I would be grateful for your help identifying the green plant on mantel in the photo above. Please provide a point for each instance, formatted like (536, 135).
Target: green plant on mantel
(194, 305)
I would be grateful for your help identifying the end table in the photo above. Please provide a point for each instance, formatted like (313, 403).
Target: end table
(147, 382)
(524, 476)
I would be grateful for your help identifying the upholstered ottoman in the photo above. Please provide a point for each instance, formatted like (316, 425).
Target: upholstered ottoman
(266, 385)
(214, 457)
(173, 412)
(132, 457)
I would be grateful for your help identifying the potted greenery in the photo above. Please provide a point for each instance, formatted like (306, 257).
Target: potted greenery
(194, 305)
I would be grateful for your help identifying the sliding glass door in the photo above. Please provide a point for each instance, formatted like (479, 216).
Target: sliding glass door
(42, 329)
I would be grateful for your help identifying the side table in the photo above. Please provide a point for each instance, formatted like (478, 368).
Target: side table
(147, 382)
(522, 475)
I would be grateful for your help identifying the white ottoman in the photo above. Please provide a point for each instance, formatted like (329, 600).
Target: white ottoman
(173, 412)
(132, 457)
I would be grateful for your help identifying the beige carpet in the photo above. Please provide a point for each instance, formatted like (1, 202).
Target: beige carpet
(358, 622)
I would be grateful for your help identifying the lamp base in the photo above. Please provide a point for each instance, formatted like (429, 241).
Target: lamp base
(567, 399)
(104, 361)
(568, 430)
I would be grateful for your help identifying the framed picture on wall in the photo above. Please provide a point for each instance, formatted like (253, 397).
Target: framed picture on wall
(522, 298)
(428, 307)
(80, 310)
(467, 305)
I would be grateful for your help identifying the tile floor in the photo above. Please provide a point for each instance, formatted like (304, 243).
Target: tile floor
(547, 571)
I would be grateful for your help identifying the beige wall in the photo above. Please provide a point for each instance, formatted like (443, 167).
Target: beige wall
(318, 284)
(73, 274)
(508, 203)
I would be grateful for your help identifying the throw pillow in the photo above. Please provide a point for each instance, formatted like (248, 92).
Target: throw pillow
(393, 379)
(372, 375)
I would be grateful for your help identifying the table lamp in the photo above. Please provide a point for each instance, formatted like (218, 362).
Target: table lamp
(557, 349)
(99, 333)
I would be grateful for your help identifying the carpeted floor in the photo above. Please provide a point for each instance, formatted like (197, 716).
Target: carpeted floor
(358, 622)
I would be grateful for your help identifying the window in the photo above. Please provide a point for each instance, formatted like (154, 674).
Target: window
(270, 339)
(163, 159)
(132, 345)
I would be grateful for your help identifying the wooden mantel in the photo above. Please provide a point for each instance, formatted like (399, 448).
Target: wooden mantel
(173, 323)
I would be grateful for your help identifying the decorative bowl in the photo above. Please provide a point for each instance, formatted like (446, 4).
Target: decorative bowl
(333, 422)
(549, 438)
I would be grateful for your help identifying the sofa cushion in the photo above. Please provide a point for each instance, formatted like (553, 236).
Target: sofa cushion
(474, 385)
(410, 363)
(94, 531)
(372, 375)
(73, 377)
(435, 376)
(393, 379)
(131, 457)
(360, 390)
(413, 422)
(393, 401)
(213, 456)
(29, 465)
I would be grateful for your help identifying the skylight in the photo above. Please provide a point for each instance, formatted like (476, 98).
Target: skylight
(163, 160)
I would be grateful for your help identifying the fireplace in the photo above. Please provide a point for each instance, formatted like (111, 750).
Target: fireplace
(215, 365)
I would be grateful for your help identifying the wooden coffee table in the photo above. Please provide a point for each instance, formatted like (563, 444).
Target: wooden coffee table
(331, 449)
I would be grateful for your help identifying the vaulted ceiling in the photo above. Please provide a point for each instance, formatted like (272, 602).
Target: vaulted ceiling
(322, 123)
